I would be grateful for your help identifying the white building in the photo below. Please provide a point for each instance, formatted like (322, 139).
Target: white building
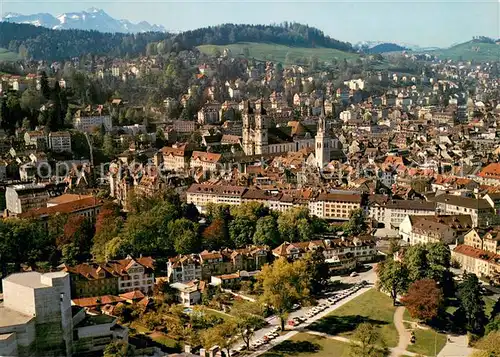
(188, 293)
(21, 198)
(184, 268)
(36, 317)
(91, 123)
(60, 141)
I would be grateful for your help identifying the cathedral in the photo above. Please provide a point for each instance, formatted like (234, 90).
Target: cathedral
(260, 138)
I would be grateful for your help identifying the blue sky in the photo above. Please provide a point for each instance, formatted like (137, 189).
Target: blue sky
(425, 23)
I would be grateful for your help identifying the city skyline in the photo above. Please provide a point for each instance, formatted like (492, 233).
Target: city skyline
(422, 23)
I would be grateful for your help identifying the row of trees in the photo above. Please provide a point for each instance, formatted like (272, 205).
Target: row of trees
(423, 280)
(46, 44)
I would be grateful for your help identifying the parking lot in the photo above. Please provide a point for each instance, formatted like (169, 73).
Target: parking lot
(269, 336)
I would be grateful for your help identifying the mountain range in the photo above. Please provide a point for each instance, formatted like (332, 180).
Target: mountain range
(92, 19)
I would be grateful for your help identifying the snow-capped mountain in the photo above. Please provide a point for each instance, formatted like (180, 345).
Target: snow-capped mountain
(413, 47)
(92, 19)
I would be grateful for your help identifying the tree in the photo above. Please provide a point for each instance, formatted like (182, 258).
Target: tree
(108, 146)
(317, 270)
(266, 232)
(118, 349)
(215, 236)
(471, 303)
(287, 223)
(284, 284)
(184, 234)
(488, 346)
(392, 278)
(220, 335)
(248, 320)
(44, 85)
(356, 223)
(423, 300)
(241, 231)
(364, 342)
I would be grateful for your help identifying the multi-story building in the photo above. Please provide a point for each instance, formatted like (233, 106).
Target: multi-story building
(89, 121)
(202, 195)
(92, 279)
(183, 268)
(207, 115)
(22, 198)
(340, 253)
(480, 210)
(207, 161)
(397, 210)
(335, 206)
(481, 262)
(184, 126)
(85, 206)
(450, 229)
(36, 317)
(37, 139)
(230, 261)
(485, 239)
(175, 158)
(60, 141)
(112, 277)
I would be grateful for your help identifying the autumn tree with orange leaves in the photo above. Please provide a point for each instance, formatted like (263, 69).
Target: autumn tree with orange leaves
(424, 300)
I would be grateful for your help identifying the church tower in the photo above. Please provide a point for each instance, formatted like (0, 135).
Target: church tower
(261, 128)
(322, 141)
(248, 120)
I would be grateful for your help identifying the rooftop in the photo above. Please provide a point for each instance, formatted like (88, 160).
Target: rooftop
(10, 317)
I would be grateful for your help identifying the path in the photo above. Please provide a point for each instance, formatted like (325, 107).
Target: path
(404, 335)
(456, 346)
(346, 340)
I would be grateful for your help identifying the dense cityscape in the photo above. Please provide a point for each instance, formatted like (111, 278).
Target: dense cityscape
(245, 190)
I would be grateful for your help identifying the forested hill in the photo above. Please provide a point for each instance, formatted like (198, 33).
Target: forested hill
(288, 34)
(43, 43)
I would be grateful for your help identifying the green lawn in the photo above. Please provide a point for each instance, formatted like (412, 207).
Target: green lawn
(165, 341)
(5, 55)
(269, 51)
(306, 345)
(373, 307)
(425, 341)
(472, 50)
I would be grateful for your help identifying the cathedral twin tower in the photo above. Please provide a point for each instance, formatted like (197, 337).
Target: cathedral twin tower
(256, 134)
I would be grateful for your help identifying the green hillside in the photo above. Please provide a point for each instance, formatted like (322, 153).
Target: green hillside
(472, 50)
(269, 51)
(5, 55)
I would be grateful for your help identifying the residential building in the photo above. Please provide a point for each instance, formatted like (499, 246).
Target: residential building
(397, 210)
(188, 293)
(207, 161)
(175, 158)
(60, 141)
(112, 277)
(89, 121)
(22, 198)
(486, 239)
(415, 229)
(37, 139)
(201, 195)
(183, 268)
(483, 263)
(184, 126)
(480, 210)
(335, 206)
